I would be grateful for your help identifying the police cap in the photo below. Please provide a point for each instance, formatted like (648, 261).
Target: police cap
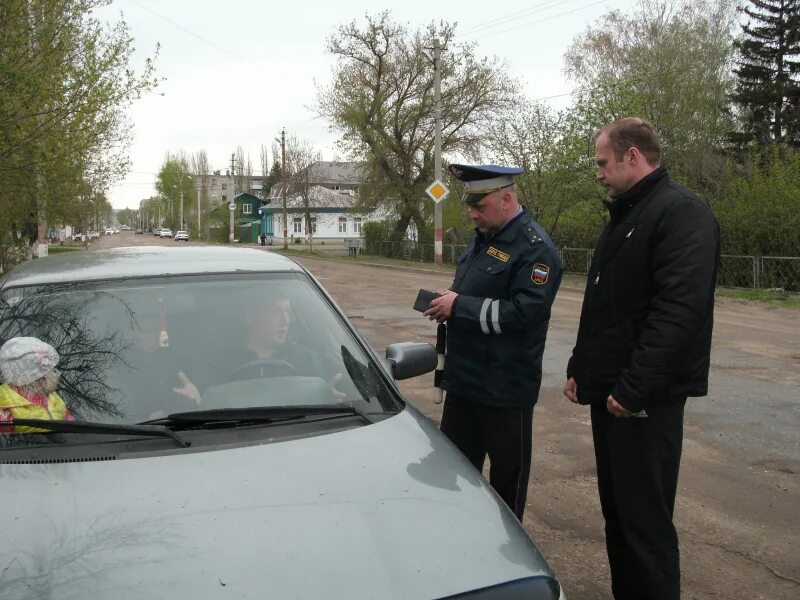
(480, 180)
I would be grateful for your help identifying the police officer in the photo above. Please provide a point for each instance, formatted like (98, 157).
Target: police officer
(497, 312)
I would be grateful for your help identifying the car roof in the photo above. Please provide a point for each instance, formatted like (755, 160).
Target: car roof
(146, 261)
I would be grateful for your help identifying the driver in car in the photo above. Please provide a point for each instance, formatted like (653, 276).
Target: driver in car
(266, 350)
(28, 367)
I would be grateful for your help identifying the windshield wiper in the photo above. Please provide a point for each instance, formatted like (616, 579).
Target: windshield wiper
(231, 417)
(102, 428)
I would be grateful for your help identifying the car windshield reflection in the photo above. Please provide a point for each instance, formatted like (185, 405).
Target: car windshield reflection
(141, 350)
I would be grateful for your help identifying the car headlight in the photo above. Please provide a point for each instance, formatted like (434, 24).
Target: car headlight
(529, 588)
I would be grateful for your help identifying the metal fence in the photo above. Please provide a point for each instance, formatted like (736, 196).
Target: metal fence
(735, 271)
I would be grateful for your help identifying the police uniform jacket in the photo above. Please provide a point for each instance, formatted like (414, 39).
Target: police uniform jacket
(506, 282)
(645, 329)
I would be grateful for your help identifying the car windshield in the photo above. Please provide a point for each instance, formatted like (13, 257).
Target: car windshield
(142, 349)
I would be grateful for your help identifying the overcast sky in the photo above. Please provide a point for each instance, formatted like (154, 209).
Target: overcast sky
(240, 70)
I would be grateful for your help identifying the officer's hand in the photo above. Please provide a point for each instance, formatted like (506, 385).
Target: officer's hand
(571, 390)
(616, 409)
(441, 308)
(188, 390)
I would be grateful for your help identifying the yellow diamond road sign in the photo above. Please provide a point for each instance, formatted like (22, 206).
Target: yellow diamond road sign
(437, 191)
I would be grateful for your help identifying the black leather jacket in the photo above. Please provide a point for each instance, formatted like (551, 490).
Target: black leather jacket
(645, 330)
(506, 281)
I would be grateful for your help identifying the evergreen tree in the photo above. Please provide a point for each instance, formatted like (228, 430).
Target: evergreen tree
(768, 72)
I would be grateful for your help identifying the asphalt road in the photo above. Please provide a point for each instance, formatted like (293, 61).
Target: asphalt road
(738, 507)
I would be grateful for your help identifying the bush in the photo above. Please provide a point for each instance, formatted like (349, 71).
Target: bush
(376, 231)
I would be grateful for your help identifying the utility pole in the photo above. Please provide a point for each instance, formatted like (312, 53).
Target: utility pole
(283, 177)
(437, 156)
(233, 200)
(181, 227)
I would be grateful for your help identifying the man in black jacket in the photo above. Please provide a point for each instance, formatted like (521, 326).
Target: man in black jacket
(643, 347)
(497, 312)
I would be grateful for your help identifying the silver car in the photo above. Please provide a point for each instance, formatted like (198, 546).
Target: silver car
(234, 437)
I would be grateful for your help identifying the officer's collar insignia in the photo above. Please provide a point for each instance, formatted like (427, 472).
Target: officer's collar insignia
(502, 256)
(540, 274)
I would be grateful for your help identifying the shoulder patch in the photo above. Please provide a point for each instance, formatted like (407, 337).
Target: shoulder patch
(540, 274)
(501, 256)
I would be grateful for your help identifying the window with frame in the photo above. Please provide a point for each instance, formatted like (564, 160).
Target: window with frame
(357, 225)
(342, 224)
(297, 225)
(247, 209)
(313, 225)
(224, 186)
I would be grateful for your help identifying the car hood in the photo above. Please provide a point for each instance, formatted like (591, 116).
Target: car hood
(389, 510)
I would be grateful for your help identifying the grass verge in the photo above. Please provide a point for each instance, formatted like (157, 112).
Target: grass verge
(774, 297)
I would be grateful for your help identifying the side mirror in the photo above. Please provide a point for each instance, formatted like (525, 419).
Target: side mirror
(409, 359)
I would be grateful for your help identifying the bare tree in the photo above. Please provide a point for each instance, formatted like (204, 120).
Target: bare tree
(239, 172)
(301, 165)
(202, 170)
(265, 165)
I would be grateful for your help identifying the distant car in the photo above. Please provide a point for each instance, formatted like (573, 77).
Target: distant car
(165, 233)
(303, 473)
(157, 231)
(109, 231)
(139, 232)
(182, 236)
(93, 235)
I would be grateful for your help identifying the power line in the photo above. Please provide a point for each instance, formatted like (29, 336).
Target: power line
(537, 21)
(554, 96)
(492, 23)
(190, 32)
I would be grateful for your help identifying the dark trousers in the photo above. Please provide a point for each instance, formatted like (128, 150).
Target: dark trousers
(637, 475)
(505, 434)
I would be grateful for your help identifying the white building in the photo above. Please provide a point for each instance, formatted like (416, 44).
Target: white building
(332, 215)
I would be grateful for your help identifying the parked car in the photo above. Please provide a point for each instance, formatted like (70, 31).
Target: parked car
(157, 231)
(296, 473)
(165, 233)
(182, 236)
(139, 231)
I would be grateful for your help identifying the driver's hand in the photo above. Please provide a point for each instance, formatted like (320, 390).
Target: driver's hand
(332, 384)
(188, 390)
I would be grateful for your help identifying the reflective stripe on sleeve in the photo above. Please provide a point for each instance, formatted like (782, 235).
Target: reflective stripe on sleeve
(496, 317)
(484, 310)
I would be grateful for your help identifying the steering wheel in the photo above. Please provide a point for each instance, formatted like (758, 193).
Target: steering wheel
(262, 367)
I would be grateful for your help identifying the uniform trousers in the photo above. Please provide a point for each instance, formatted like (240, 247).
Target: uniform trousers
(504, 434)
(637, 476)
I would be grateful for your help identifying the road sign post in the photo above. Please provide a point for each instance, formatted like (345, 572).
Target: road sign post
(438, 191)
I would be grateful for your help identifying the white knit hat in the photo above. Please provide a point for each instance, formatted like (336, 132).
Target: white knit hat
(23, 360)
